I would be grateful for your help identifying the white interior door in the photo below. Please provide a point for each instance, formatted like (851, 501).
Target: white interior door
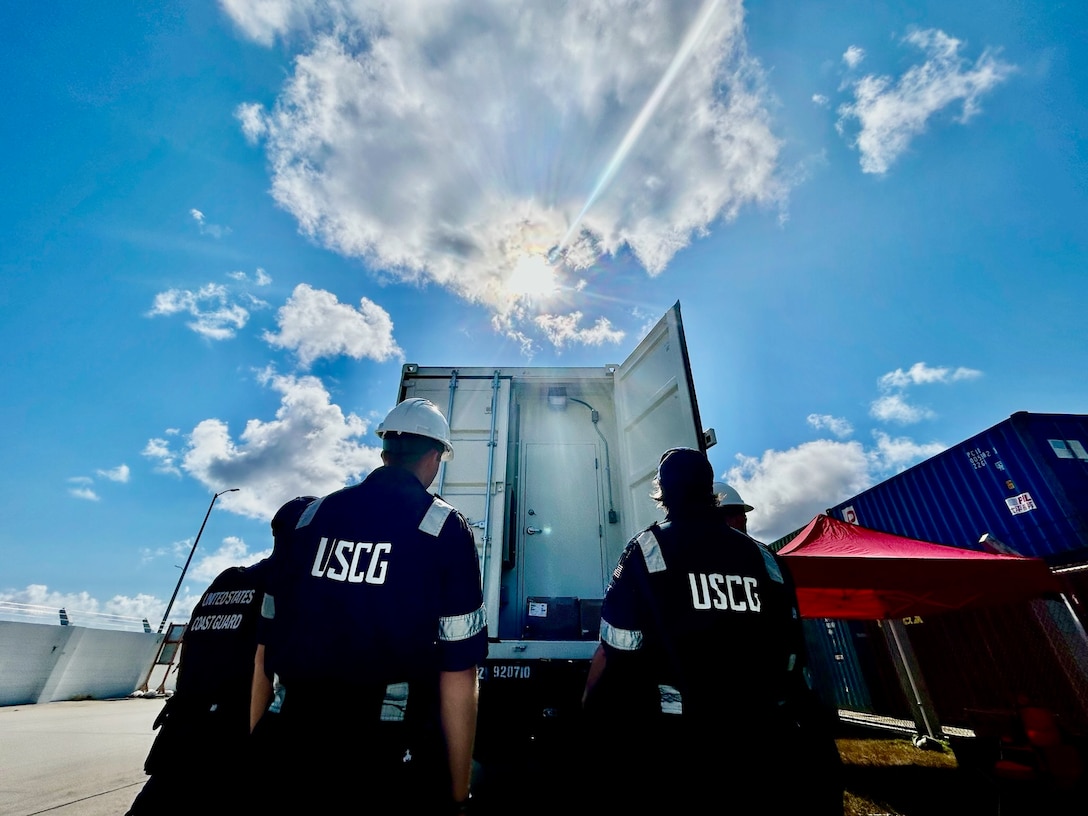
(560, 522)
(656, 410)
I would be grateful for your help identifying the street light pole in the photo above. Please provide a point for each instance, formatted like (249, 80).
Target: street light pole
(192, 550)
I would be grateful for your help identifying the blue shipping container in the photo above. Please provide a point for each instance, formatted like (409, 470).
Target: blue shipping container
(1024, 481)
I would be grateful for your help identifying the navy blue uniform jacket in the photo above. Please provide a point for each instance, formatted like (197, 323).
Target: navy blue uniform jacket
(380, 584)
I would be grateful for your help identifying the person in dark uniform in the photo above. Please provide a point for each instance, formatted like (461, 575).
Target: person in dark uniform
(267, 693)
(200, 755)
(699, 687)
(733, 506)
(374, 624)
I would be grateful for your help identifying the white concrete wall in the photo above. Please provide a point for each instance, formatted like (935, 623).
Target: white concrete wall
(42, 663)
(28, 653)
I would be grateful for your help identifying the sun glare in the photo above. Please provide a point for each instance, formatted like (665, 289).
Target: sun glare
(532, 276)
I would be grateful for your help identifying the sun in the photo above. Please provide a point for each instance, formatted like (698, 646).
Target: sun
(532, 277)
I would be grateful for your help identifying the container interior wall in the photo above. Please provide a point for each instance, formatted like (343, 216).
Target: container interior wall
(562, 480)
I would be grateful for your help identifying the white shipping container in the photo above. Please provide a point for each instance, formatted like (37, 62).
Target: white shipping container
(553, 468)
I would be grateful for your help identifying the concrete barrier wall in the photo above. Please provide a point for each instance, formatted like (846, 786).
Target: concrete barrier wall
(28, 653)
(40, 663)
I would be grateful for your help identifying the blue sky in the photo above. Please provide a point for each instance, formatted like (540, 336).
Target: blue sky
(228, 225)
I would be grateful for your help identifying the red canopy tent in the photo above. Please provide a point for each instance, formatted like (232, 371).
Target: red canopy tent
(847, 571)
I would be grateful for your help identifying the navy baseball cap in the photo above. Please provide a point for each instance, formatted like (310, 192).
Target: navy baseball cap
(288, 515)
(685, 472)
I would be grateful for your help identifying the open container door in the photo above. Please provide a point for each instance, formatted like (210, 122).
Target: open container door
(656, 410)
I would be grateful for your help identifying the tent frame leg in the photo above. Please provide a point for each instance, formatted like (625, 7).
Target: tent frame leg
(911, 680)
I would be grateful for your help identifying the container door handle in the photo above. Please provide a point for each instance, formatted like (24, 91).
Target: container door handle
(533, 530)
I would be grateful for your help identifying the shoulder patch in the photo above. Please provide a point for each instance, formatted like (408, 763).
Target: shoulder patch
(651, 551)
(308, 514)
(435, 517)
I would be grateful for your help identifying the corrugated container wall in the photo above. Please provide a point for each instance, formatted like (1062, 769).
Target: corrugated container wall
(1024, 481)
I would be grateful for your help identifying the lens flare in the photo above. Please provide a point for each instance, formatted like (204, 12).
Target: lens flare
(691, 41)
(532, 277)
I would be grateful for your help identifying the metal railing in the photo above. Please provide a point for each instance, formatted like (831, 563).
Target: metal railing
(62, 616)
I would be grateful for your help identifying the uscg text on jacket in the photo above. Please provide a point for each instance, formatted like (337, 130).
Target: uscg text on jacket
(351, 566)
(702, 585)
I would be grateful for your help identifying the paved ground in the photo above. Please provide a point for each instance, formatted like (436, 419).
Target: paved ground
(86, 758)
(74, 758)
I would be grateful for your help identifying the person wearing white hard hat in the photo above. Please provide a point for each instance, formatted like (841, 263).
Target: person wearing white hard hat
(735, 508)
(700, 679)
(374, 623)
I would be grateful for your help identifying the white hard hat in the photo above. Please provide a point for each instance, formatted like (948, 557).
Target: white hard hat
(729, 497)
(420, 417)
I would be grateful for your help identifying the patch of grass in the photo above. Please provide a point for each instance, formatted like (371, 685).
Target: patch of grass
(892, 752)
(891, 777)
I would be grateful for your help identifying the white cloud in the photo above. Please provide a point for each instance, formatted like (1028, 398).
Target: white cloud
(205, 228)
(149, 554)
(891, 113)
(117, 474)
(314, 324)
(251, 116)
(821, 100)
(82, 488)
(266, 20)
(122, 611)
(901, 452)
(893, 405)
(260, 277)
(787, 488)
(921, 374)
(837, 425)
(310, 447)
(233, 552)
(158, 450)
(446, 142)
(563, 329)
(853, 56)
(895, 408)
(214, 316)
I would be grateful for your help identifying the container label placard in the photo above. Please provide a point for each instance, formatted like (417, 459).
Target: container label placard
(1020, 504)
(850, 515)
(538, 609)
